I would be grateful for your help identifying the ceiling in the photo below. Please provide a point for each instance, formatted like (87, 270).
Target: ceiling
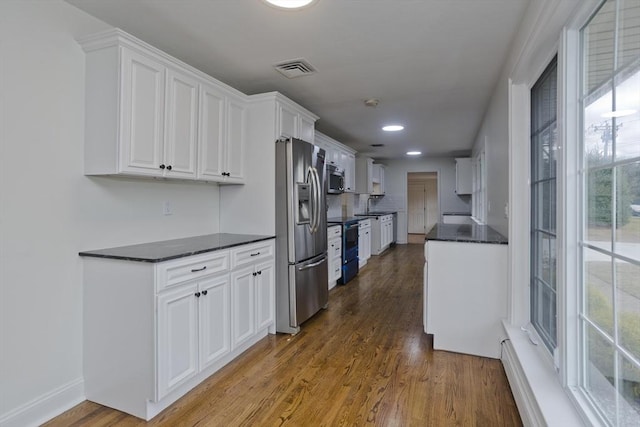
(433, 64)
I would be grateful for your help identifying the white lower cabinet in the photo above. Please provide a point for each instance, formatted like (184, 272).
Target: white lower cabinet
(334, 244)
(364, 242)
(152, 331)
(177, 337)
(382, 233)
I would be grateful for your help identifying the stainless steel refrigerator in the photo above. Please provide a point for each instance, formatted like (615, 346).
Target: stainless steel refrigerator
(301, 233)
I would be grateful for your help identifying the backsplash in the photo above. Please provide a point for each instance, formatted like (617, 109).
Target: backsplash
(348, 204)
(386, 203)
(334, 205)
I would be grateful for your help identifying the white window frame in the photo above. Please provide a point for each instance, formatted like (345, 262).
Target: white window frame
(550, 391)
(479, 195)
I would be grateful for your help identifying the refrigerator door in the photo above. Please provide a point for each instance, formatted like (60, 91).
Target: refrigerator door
(305, 196)
(308, 283)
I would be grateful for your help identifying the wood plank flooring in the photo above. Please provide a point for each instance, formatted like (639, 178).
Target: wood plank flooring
(363, 361)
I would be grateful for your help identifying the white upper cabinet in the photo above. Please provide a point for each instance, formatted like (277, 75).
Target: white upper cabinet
(181, 125)
(340, 155)
(141, 115)
(294, 123)
(364, 174)
(377, 178)
(307, 128)
(222, 136)
(148, 114)
(463, 176)
(369, 176)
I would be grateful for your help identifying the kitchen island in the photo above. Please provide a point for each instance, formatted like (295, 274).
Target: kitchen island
(465, 288)
(161, 317)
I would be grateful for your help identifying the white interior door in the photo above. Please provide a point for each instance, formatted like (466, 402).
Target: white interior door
(417, 208)
(431, 202)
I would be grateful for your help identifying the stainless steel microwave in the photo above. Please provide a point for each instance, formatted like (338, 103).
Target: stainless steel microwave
(335, 179)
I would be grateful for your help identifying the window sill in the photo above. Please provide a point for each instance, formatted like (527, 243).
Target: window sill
(536, 389)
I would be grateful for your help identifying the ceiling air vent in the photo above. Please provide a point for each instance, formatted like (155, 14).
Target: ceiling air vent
(295, 68)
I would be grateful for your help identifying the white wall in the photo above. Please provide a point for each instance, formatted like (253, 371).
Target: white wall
(494, 137)
(396, 187)
(49, 211)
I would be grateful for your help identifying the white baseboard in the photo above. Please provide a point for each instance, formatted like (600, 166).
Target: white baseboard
(45, 407)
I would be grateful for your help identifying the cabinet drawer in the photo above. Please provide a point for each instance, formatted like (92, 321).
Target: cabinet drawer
(364, 223)
(335, 248)
(175, 272)
(248, 254)
(334, 231)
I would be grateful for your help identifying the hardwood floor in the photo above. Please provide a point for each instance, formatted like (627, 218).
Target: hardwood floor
(363, 361)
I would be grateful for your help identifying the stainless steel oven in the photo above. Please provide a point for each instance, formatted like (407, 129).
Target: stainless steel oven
(349, 251)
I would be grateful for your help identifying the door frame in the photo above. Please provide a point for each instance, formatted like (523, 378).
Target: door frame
(436, 171)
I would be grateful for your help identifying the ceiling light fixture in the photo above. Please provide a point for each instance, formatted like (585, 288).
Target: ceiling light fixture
(290, 4)
(618, 113)
(414, 153)
(372, 102)
(392, 128)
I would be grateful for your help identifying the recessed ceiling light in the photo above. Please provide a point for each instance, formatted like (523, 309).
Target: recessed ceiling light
(414, 153)
(392, 128)
(290, 4)
(618, 113)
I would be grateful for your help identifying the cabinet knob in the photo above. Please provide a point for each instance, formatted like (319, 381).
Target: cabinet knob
(204, 292)
(162, 166)
(169, 168)
(197, 294)
(260, 272)
(254, 273)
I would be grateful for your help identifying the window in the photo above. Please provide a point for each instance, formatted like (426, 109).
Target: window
(609, 313)
(543, 206)
(479, 194)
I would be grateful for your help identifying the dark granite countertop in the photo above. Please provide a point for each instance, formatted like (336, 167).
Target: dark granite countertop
(377, 214)
(177, 248)
(466, 233)
(343, 219)
(457, 213)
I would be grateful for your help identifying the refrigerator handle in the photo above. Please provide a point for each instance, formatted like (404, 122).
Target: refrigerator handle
(315, 264)
(317, 201)
(312, 182)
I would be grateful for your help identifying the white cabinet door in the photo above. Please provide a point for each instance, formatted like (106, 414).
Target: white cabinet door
(215, 319)
(181, 125)
(288, 122)
(265, 294)
(349, 165)
(211, 162)
(142, 115)
(367, 243)
(464, 180)
(177, 337)
(307, 129)
(235, 140)
(243, 323)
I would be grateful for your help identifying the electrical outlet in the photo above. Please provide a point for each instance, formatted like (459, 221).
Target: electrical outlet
(166, 208)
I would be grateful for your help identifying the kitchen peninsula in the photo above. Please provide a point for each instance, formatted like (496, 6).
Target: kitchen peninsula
(465, 288)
